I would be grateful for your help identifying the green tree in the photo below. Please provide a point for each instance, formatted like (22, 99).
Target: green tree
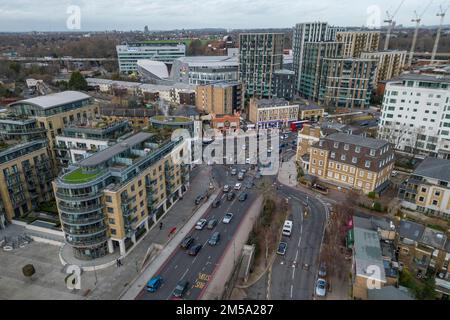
(15, 66)
(77, 81)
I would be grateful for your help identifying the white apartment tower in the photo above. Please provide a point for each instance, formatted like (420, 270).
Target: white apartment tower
(416, 114)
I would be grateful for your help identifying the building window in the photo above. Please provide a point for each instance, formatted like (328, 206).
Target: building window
(372, 152)
(424, 189)
(367, 164)
(435, 202)
(139, 183)
(108, 199)
(333, 155)
(346, 147)
(113, 231)
(110, 210)
(343, 157)
(357, 149)
(336, 145)
(354, 159)
(421, 199)
(111, 221)
(437, 193)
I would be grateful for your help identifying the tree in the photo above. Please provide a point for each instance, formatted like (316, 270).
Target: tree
(28, 271)
(77, 81)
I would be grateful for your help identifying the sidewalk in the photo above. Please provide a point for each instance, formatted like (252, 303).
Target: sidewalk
(136, 287)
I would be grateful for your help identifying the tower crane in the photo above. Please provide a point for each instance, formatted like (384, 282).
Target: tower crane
(441, 14)
(391, 23)
(417, 20)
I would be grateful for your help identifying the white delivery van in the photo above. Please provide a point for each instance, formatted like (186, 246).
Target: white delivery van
(287, 228)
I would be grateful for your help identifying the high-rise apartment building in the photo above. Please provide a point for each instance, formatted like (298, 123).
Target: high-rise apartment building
(347, 83)
(106, 200)
(165, 51)
(305, 32)
(389, 63)
(313, 55)
(260, 55)
(283, 84)
(356, 42)
(415, 115)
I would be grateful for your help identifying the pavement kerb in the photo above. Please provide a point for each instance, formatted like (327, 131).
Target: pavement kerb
(174, 239)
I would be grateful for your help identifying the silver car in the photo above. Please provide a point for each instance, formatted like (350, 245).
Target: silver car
(321, 287)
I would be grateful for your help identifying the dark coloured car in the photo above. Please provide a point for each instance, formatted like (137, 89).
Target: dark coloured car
(193, 251)
(215, 238)
(322, 270)
(230, 196)
(198, 199)
(282, 246)
(180, 289)
(216, 203)
(211, 224)
(243, 196)
(187, 242)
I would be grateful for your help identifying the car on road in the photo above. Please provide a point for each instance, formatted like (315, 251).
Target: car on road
(394, 173)
(226, 188)
(243, 170)
(321, 287)
(227, 218)
(230, 196)
(199, 199)
(233, 171)
(201, 224)
(238, 186)
(247, 161)
(244, 147)
(154, 283)
(211, 224)
(322, 270)
(287, 228)
(193, 251)
(216, 203)
(187, 242)
(241, 176)
(243, 196)
(180, 289)
(282, 246)
(215, 238)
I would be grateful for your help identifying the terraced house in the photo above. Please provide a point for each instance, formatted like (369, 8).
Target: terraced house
(427, 189)
(106, 200)
(352, 161)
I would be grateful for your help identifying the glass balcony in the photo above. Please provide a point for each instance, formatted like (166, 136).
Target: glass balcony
(86, 220)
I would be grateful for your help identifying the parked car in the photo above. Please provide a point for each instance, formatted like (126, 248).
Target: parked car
(215, 238)
(322, 270)
(216, 203)
(199, 199)
(227, 218)
(201, 224)
(237, 186)
(243, 170)
(193, 251)
(154, 284)
(321, 287)
(180, 289)
(187, 242)
(226, 188)
(241, 176)
(394, 173)
(211, 224)
(230, 196)
(282, 246)
(247, 161)
(233, 171)
(243, 196)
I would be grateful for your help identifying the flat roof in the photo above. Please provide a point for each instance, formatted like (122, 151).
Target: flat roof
(54, 99)
(411, 230)
(106, 154)
(422, 77)
(368, 254)
(210, 61)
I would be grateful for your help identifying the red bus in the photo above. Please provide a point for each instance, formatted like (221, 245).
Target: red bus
(298, 125)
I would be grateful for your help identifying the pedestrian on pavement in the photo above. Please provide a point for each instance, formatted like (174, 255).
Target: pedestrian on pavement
(160, 226)
(120, 262)
(117, 263)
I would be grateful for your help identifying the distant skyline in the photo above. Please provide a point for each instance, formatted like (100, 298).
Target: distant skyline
(125, 15)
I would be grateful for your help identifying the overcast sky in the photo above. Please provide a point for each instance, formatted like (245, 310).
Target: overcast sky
(52, 15)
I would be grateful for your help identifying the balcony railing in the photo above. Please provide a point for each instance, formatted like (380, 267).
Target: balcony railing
(84, 242)
(85, 231)
(81, 209)
(86, 196)
(74, 220)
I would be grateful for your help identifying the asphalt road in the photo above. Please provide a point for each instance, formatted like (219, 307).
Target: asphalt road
(198, 270)
(294, 274)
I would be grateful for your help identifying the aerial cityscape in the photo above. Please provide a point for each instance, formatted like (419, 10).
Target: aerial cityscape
(224, 150)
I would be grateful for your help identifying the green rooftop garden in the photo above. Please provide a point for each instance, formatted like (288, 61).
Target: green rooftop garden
(77, 176)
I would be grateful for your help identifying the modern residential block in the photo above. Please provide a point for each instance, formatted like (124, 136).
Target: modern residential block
(220, 98)
(106, 200)
(356, 42)
(260, 55)
(415, 116)
(390, 64)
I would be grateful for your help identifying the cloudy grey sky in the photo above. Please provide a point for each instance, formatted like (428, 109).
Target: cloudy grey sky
(51, 15)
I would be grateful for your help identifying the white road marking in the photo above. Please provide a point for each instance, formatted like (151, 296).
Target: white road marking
(292, 290)
(187, 270)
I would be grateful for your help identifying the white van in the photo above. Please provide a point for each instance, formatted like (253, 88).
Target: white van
(287, 228)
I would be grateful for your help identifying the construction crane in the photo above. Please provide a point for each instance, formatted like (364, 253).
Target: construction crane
(438, 35)
(391, 23)
(417, 20)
